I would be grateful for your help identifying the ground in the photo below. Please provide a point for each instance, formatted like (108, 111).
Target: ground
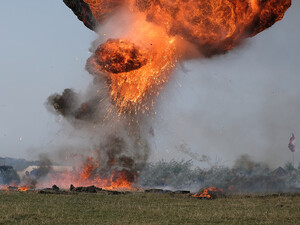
(146, 208)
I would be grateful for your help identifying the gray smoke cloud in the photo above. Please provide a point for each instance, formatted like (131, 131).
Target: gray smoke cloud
(92, 127)
(244, 102)
(245, 176)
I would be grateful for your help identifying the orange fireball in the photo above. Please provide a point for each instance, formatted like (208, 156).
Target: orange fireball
(136, 70)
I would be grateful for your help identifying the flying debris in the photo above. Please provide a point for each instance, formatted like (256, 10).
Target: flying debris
(292, 145)
(83, 12)
(118, 56)
(151, 131)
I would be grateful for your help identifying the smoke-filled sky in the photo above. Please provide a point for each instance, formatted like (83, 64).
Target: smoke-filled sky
(246, 101)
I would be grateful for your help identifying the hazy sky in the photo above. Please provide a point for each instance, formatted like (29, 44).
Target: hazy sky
(247, 101)
(43, 50)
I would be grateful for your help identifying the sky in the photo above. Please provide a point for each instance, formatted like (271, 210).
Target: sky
(244, 102)
(43, 50)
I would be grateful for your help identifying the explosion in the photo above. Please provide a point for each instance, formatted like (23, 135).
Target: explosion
(131, 67)
(136, 70)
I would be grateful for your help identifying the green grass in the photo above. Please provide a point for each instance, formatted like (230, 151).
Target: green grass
(146, 208)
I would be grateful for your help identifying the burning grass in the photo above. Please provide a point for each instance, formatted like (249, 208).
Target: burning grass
(146, 208)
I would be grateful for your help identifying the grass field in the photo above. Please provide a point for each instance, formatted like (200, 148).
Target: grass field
(146, 208)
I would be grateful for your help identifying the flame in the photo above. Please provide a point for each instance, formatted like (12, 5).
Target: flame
(90, 174)
(24, 188)
(21, 188)
(129, 89)
(121, 180)
(101, 8)
(4, 188)
(91, 165)
(206, 193)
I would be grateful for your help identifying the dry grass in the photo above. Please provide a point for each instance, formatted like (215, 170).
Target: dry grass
(146, 208)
